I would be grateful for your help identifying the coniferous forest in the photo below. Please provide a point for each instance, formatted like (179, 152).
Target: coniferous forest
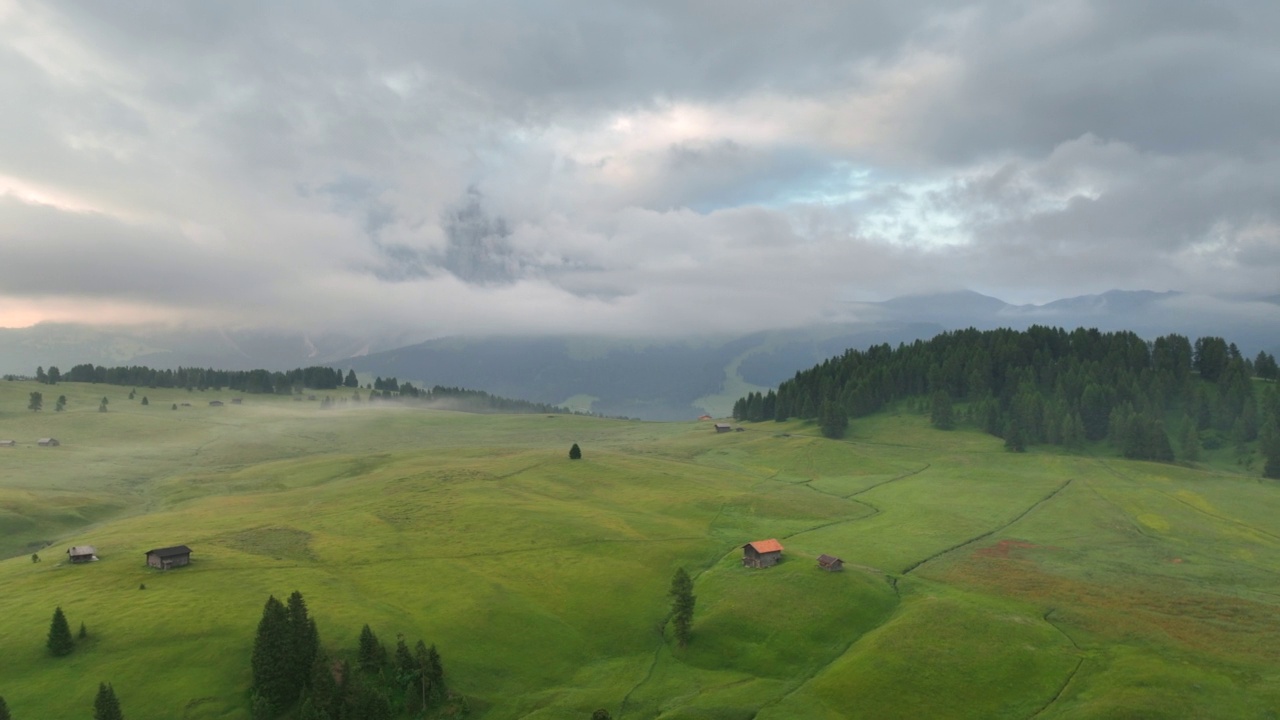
(1050, 386)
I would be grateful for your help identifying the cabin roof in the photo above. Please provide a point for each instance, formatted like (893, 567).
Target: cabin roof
(170, 551)
(825, 559)
(82, 550)
(765, 546)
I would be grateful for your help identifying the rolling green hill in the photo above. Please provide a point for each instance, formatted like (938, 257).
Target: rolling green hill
(979, 583)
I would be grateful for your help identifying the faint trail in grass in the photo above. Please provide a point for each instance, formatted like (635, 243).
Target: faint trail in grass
(1070, 676)
(657, 651)
(990, 532)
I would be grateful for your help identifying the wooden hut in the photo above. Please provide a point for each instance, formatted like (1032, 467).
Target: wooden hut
(48, 442)
(829, 563)
(170, 557)
(237, 401)
(8, 443)
(761, 553)
(215, 403)
(723, 427)
(82, 554)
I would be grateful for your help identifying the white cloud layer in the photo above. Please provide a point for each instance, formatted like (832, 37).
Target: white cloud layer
(628, 168)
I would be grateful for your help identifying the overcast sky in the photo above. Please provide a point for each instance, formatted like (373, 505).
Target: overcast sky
(636, 167)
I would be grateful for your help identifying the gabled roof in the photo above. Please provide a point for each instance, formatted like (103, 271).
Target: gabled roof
(765, 546)
(170, 551)
(825, 559)
(82, 550)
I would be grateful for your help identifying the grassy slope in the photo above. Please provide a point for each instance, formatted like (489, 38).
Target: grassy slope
(987, 585)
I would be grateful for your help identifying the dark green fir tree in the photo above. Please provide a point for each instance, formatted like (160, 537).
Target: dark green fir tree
(60, 641)
(106, 706)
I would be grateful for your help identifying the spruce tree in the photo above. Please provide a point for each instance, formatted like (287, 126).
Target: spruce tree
(61, 404)
(941, 415)
(60, 641)
(682, 602)
(36, 402)
(575, 453)
(106, 706)
(434, 672)
(4, 710)
(601, 714)
(304, 642)
(273, 682)
(370, 652)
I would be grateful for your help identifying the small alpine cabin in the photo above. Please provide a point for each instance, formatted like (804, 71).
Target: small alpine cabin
(723, 427)
(829, 563)
(761, 553)
(215, 403)
(82, 554)
(170, 557)
(8, 443)
(48, 442)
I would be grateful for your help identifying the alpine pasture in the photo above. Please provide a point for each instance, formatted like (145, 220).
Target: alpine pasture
(978, 583)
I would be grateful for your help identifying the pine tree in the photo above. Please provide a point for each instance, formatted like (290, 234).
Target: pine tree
(601, 714)
(60, 641)
(682, 602)
(106, 706)
(941, 415)
(102, 406)
(61, 404)
(145, 401)
(575, 453)
(304, 642)
(351, 380)
(273, 680)
(84, 632)
(434, 672)
(4, 710)
(36, 403)
(370, 652)
(833, 420)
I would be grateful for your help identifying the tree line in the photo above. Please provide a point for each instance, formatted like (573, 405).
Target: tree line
(1050, 386)
(284, 383)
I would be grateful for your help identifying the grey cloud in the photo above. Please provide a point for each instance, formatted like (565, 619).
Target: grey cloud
(358, 163)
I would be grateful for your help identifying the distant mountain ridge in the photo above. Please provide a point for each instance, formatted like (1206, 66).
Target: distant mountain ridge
(653, 379)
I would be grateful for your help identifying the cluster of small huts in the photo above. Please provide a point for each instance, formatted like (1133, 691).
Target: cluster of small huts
(767, 553)
(161, 558)
(42, 442)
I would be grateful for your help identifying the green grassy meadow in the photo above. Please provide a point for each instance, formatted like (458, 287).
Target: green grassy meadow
(979, 583)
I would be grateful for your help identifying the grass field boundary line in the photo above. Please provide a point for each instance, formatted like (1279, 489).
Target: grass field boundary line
(992, 531)
(1070, 676)
(896, 478)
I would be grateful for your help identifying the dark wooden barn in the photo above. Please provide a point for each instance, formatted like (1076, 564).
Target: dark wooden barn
(8, 443)
(82, 554)
(723, 427)
(829, 563)
(761, 553)
(48, 442)
(170, 557)
(215, 403)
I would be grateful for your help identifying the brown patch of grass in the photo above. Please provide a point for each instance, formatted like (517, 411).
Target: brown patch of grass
(1151, 608)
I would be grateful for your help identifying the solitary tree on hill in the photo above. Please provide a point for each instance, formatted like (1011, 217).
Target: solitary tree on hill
(4, 710)
(682, 602)
(36, 402)
(575, 453)
(106, 706)
(145, 401)
(61, 404)
(102, 406)
(60, 641)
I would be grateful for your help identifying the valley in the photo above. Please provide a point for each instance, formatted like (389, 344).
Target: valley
(978, 583)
